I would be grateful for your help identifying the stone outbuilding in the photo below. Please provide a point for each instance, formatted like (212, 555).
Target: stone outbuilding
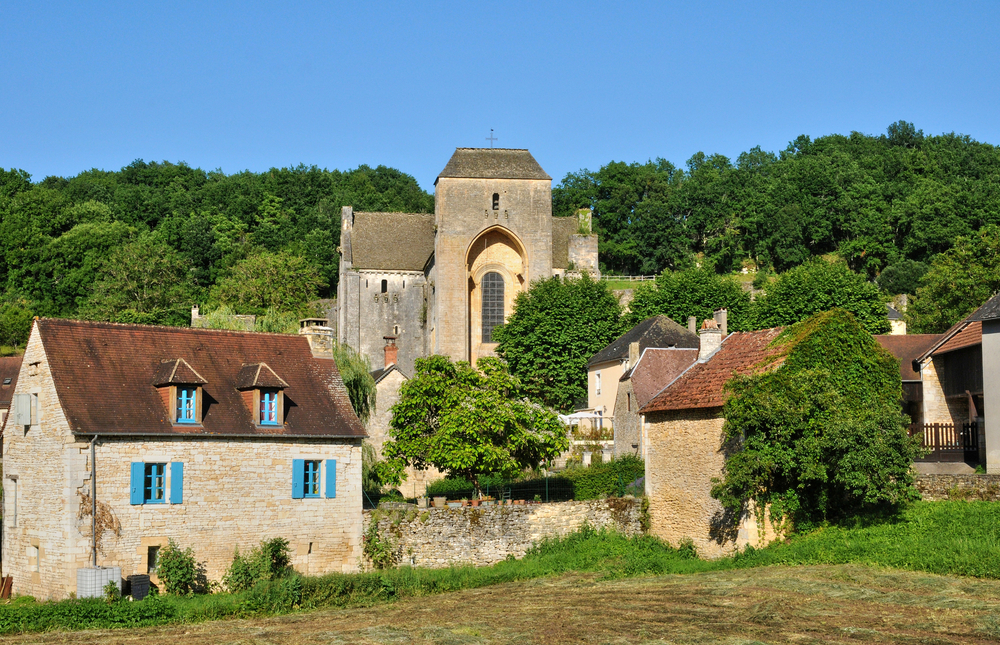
(684, 444)
(215, 439)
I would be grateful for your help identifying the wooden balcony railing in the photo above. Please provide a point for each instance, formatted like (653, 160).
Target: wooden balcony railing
(948, 441)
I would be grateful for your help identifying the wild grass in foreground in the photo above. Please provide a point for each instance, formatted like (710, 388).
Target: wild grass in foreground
(940, 537)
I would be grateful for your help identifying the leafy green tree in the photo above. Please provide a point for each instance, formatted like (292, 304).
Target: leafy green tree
(280, 280)
(144, 281)
(818, 286)
(821, 437)
(958, 282)
(15, 323)
(469, 422)
(554, 329)
(694, 292)
(902, 277)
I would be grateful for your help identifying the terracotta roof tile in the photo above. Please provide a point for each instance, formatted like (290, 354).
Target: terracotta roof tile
(656, 369)
(104, 373)
(906, 348)
(971, 334)
(702, 385)
(258, 375)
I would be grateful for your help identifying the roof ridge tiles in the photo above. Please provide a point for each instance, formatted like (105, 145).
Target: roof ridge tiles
(174, 328)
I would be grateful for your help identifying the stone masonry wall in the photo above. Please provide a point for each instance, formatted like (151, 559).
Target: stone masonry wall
(683, 453)
(936, 488)
(439, 537)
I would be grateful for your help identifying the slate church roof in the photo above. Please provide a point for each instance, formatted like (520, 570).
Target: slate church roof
(105, 375)
(658, 331)
(392, 241)
(493, 163)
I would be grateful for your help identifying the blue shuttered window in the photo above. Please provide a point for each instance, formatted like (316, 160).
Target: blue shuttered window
(298, 478)
(331, 477)
(148, 483)
(312, 478)
(187, 403)
(155, 477)
(269, 407)
(176, 482)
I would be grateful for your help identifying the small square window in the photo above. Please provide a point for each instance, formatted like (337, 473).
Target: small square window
(187, 404)
(153, 489)
(269, 407)
(312, 478)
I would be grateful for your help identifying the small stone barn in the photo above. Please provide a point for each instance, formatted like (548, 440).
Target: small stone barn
(215, 439)
(684, 446)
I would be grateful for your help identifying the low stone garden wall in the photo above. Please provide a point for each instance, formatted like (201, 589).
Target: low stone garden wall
(936, 488)
(439, 537)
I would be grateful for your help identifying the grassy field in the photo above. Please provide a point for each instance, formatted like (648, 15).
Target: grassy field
(890, 569)
(806, 604)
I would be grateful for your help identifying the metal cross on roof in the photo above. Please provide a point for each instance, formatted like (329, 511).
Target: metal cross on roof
(491, 138)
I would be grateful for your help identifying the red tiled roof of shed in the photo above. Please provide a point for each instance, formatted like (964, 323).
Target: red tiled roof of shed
(656, 368)
(971, 334)
(702, 385)
(104, 374)
(906, 348)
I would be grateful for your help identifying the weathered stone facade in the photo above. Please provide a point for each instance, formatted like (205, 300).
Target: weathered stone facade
(236, 492)
(486, 535)
(684, 452)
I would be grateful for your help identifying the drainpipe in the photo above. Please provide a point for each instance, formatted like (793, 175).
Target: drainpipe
(93, 499)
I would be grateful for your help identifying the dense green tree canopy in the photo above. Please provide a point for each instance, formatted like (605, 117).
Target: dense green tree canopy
(693, 292)
(958, 282)
(822, 436)
(554, 329)
(820, 285)
(469, 422)
(60, 237)
(874, 200)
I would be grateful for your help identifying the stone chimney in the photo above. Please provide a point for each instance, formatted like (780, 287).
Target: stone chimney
(319, 334)
(692, 324)
(710, 338)
(391, 351)
(722, 319)
(633, 354)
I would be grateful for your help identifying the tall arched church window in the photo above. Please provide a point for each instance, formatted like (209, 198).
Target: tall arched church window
(492, 288)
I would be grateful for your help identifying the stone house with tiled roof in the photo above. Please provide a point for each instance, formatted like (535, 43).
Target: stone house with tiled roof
(216, 439)
(683, 440)
(440, 282)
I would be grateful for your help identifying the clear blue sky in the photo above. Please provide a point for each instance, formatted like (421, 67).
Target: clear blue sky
(220, 85)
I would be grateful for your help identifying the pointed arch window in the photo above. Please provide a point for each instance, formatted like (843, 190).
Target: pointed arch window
(492, 287)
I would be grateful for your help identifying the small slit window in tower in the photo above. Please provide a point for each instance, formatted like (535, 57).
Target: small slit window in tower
(492, 287)
(496, 201)
(385, 286)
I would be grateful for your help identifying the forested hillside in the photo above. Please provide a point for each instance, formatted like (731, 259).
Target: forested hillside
(144, 243)
(874, 200)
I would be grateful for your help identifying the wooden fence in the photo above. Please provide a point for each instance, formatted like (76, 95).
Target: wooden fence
(948, 441)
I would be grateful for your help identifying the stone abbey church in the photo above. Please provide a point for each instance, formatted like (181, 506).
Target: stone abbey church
(413, 284)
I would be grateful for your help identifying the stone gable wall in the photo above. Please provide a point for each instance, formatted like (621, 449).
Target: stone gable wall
(936, 488)
(439, 537)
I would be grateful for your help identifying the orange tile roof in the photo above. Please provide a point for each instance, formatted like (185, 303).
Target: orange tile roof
(702, 385)
(971, 335)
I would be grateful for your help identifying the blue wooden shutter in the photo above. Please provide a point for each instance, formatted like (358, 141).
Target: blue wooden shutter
(138, 475)
(176, 482)
(298, 478)
(331, 477)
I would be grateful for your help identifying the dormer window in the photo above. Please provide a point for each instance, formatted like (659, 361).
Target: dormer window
(180, 386)
(263, 393)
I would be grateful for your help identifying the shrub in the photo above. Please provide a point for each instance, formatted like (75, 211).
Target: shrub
(269, 561)
(177, 569)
